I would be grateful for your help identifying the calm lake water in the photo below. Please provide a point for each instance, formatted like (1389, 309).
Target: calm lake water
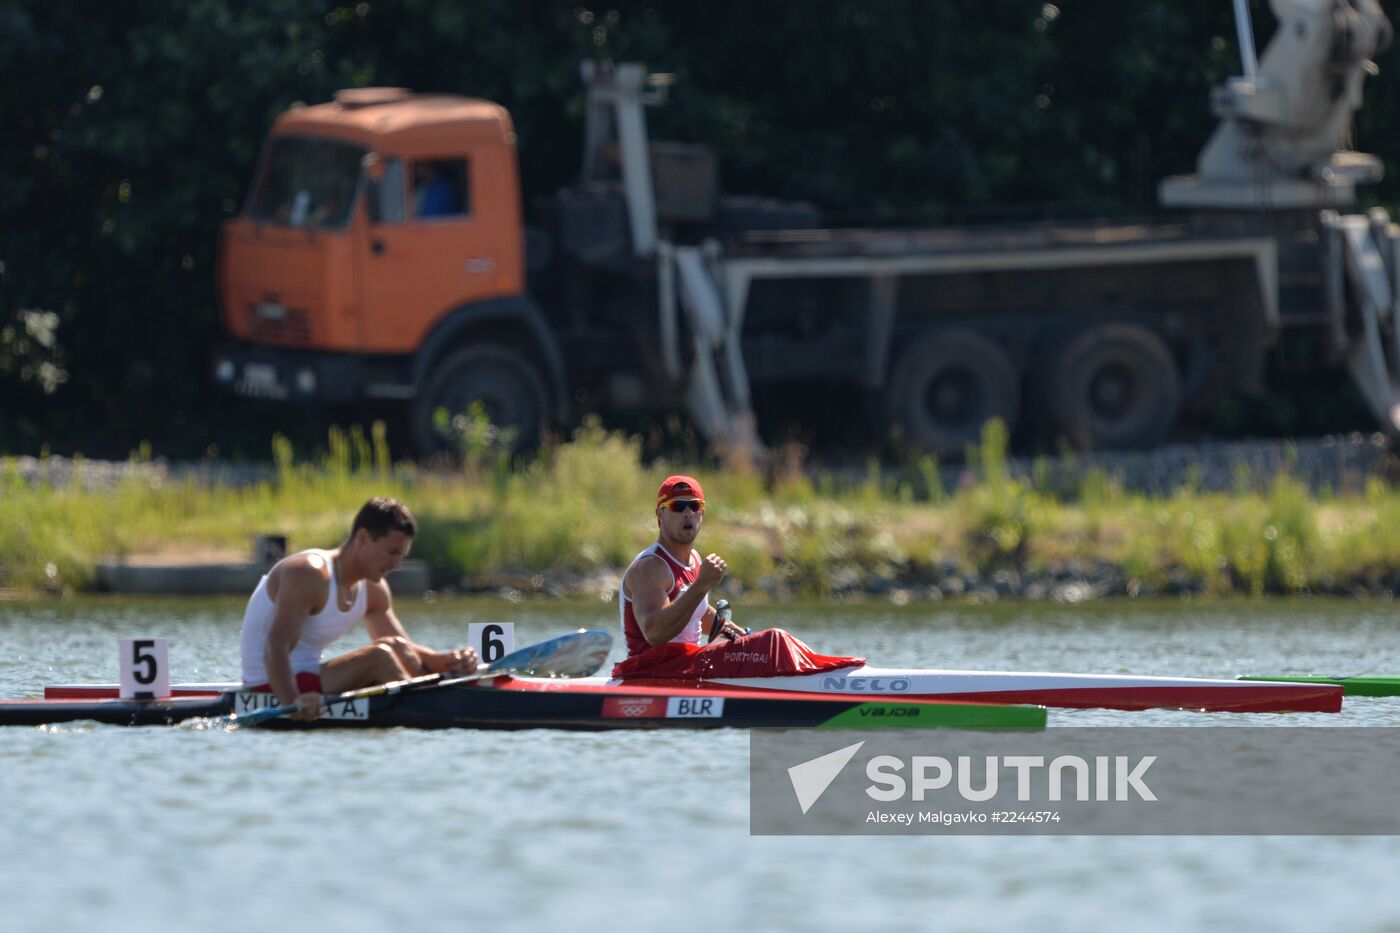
(116, 829)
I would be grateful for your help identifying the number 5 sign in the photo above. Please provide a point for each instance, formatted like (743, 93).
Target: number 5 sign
(145, 668)
(492, 640)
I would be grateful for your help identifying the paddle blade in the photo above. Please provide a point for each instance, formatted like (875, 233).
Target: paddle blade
(253, 717)
(574, 655)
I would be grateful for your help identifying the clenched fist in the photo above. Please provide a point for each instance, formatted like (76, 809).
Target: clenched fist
(712, 570)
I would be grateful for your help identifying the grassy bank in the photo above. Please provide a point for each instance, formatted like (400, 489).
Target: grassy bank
(584, 507)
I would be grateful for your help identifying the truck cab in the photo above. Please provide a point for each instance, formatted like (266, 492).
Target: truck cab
(381, 237)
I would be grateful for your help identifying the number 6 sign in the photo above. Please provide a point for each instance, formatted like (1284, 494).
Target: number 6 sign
(145, 668)
(492, 640)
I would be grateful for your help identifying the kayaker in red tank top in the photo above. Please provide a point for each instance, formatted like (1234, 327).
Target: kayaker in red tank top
(664, 593)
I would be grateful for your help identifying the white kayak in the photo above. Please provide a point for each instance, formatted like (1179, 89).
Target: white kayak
(1071, 691)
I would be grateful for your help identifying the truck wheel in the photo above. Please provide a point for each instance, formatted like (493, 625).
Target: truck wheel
(506, 383)
(1114, 386)
(946, 385)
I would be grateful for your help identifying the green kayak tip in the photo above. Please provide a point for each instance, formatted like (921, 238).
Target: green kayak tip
(1360, 686)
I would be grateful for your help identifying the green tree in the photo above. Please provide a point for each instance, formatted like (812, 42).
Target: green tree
(129, 130)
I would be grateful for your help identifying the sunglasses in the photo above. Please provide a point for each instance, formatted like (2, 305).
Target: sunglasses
(686, 505)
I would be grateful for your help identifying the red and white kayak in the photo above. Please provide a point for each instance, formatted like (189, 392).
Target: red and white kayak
(1066, 691)
(775, 660)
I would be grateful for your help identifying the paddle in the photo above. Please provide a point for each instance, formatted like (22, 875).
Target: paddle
(722, 615)
(574, 655)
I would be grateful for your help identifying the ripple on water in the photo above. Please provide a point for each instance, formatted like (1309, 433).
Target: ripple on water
(404, 828)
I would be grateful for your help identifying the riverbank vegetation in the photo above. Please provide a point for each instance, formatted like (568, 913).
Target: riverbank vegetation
(581, 509)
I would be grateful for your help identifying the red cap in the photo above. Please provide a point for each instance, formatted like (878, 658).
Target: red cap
(679, 487)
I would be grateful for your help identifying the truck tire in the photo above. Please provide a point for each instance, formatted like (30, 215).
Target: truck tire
(504, 380)
(1114, 386)
(946, 385)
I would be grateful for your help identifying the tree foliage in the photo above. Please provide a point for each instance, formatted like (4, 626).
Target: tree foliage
(129, 129)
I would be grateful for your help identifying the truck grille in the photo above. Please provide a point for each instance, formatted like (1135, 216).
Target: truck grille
(286, 326)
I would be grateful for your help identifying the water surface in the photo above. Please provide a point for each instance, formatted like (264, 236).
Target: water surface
(163, 829)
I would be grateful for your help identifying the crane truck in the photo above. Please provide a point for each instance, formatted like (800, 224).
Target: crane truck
(383, 254)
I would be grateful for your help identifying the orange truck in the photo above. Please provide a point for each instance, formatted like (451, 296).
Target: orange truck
(382, 254)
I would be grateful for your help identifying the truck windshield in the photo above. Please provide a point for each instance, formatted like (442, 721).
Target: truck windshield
(307, 183)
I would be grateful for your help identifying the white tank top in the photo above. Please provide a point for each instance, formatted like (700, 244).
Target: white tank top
(318, 633)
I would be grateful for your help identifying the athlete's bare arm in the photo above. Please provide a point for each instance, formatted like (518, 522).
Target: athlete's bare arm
(380, 620)
(382, 623)
(302, 586)
(646, 584)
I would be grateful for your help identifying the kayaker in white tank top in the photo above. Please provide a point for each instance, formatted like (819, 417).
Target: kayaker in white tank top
(319, 632)
(310, 599)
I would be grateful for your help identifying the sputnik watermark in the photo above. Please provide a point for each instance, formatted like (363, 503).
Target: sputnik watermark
(1113, 778)
(1158, 781)
(1116, 778)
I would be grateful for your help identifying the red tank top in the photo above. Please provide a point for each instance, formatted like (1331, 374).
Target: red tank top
(683, 576)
